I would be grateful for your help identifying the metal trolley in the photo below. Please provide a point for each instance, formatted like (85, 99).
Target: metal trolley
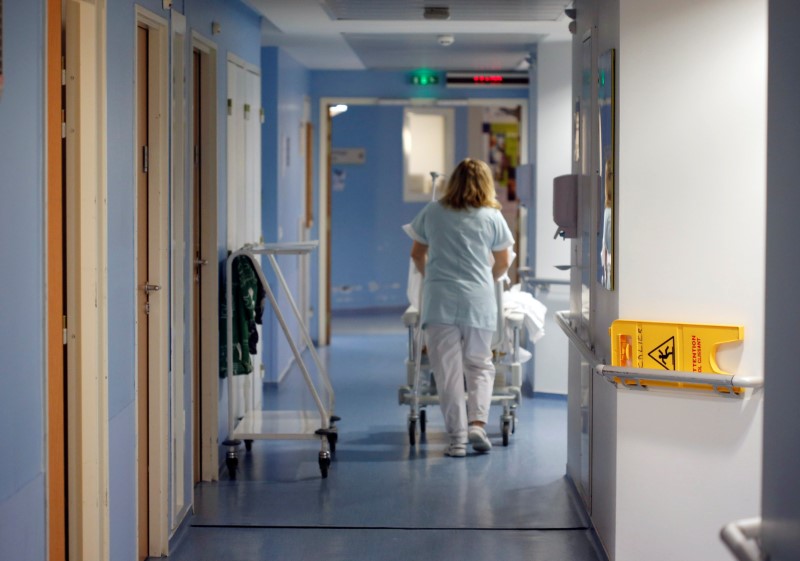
(420, 388)
(279, 425)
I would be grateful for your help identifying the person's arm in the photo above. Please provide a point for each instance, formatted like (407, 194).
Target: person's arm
(501, 263)
(419, 254)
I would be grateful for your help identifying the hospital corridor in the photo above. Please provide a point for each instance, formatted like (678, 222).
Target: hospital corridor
(378, 280)
(383, 498)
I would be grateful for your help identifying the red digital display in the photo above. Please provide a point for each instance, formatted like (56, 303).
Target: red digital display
(487, 79)
(496, 79)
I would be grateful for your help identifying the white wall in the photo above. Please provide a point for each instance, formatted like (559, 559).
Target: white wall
(692, 195)
(553, 158)
(553, 150)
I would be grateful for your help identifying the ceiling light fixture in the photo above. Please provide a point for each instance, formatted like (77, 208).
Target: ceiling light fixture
(334, 110)
(436, 12)
(445, 40)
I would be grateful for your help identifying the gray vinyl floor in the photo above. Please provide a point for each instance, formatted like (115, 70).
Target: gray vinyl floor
(383, 498)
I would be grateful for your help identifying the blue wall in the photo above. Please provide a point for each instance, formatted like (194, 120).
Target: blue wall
(122, 277)
(285, 85)
(22, 344)
(369, 250)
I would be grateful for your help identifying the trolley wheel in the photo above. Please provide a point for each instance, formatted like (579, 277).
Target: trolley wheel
(412, 432)
(506, 432)
(248, 445)
(231, 462)
(324, 464)
(332, 439)
(423, 419)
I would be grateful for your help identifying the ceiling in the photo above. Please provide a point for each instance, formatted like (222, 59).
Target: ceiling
(495, 35)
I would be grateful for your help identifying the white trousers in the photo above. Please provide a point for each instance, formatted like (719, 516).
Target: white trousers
(457, 353)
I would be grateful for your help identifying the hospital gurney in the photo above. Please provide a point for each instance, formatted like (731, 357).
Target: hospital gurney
(420, 388)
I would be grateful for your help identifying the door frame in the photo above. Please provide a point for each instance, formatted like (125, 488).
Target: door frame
(158, 263)
(87, 280)
(306, 222)
(209, 298)
(324, 212)
(56, 401)
(180, 497)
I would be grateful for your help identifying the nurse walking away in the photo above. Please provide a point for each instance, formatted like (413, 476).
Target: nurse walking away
(461, 247)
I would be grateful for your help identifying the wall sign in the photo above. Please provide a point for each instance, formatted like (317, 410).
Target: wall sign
(487, 79)
(348, 155)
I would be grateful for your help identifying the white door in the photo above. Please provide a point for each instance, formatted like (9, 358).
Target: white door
(244, 194)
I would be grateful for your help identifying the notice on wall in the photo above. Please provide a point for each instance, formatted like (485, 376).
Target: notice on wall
(348, 156)
(501, 144)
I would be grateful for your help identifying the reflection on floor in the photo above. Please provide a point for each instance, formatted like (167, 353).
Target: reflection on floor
(383, 498)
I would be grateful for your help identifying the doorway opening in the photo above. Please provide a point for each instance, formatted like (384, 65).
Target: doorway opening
(348, 174)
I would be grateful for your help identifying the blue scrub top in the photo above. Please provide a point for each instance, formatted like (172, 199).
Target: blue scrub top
(459, 288)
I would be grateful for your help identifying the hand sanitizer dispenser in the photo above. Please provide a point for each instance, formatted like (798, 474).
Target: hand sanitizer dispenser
(565, 205)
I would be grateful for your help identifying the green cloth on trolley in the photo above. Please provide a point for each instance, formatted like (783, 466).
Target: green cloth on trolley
(247, 307)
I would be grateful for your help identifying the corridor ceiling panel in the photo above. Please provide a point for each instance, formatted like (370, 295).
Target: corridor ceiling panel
(468, 51)
(460, 10)
(480, 35)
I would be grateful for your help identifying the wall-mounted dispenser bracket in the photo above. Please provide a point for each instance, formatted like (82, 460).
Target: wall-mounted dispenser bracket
(565, 205)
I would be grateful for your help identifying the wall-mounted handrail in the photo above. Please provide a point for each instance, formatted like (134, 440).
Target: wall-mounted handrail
(565, 323)
(527, 277)
(742, 538)
(721, 380)
(541, 281)
(722, 383)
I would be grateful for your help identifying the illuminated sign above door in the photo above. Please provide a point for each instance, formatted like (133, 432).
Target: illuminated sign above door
(487, 79)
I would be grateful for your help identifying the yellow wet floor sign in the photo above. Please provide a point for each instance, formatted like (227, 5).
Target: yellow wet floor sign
(686, 347)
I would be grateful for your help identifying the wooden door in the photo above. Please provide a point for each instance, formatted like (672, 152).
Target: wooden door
(142, 283)
(56, 310)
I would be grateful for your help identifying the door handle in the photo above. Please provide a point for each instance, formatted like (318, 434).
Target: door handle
(148, 288)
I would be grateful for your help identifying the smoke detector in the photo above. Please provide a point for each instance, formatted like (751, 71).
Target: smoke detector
(445, 40)
(436, 12)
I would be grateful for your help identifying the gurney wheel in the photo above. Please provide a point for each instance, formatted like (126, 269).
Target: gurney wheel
(423, 419)
(506, 432)
(412, 432)
(324, 464)
(231, 462)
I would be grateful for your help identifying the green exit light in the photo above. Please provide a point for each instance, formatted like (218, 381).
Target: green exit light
(424, 79)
